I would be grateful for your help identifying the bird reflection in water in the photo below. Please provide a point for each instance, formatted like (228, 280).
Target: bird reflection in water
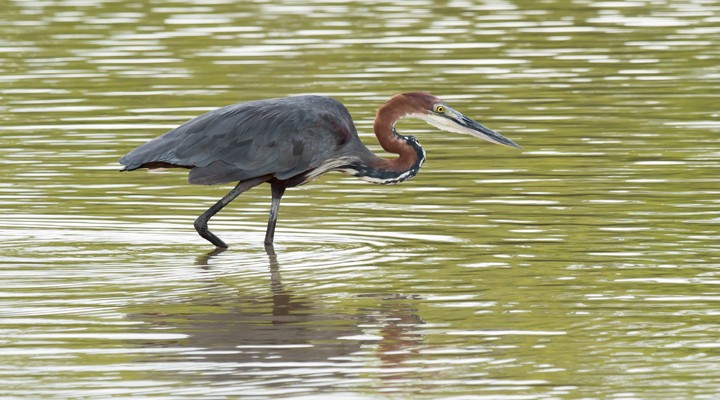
(239, 330)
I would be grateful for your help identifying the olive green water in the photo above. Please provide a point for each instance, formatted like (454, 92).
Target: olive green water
(586, 265)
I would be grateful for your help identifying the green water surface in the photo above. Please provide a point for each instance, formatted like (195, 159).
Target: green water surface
(585, 265)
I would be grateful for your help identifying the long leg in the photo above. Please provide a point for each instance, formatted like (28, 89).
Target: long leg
(202, 221)
(277, 193)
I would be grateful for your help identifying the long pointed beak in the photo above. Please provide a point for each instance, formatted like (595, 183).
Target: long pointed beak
(454, 121)
(478, 130)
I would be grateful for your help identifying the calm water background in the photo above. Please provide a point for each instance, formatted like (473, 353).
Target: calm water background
(585, 265)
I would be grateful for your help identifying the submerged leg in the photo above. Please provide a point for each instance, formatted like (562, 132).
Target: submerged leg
(202, 221)
(277, 193)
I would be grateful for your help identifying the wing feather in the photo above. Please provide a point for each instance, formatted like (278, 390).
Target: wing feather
(279, 137)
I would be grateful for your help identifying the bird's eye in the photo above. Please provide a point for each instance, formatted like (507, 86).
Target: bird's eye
(439, 109)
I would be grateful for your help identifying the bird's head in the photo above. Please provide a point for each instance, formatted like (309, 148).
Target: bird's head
(439, 114)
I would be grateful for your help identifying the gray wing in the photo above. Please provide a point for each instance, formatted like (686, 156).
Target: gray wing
(279, 137)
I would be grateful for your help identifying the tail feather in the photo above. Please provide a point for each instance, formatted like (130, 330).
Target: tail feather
(128, 167)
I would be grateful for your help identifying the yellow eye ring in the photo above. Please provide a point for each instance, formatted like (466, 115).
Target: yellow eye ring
(439, 109)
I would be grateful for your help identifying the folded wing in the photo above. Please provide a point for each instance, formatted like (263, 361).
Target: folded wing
(276, 137)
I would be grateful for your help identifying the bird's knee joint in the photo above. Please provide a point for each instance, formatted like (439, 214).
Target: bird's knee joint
(200, 225)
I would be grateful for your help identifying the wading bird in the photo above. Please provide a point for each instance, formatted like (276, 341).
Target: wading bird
(290, 141)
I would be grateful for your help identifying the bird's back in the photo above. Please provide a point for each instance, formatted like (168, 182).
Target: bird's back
(282, 137)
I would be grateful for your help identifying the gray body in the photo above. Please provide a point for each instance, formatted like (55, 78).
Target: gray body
(292, 140)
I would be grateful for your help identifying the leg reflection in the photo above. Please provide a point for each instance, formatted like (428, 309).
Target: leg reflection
(282, 304)
(203, 260)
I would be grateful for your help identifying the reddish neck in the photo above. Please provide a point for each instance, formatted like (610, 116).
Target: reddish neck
(388, 114)
(410, 155)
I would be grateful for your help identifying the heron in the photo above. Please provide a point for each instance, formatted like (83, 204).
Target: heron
(290, 141)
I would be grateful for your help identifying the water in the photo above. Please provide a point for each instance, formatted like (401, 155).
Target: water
(583, 266)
